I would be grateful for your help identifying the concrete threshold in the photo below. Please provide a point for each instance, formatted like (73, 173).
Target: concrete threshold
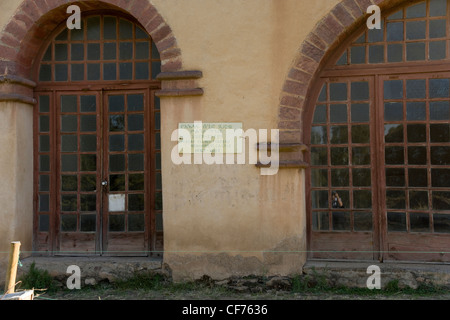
(356, 274)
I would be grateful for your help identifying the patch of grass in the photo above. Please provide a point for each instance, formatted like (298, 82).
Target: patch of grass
(38, 279)
(145, 281)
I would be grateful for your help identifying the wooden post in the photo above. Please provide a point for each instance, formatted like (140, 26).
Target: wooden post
(11, 272)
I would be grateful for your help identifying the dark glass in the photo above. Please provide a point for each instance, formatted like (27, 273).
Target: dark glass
(157, 120)
(320, 114)
(319, 156)
(44, 223)
(44, 123)
(136, 222)
(394, 31)
(158, 161)
(77, 52)
(77, 34)
(341, 221)
(418, 177)
(44, 182)
(93, 71)
(126, 71)
(338, 113)
(141, 70)
(339, 177)
(418, 200)
(345, 197)
(69, 202)
(338, 134)
(395, 199)
(135, 122)
(88, 123)
(88, 143)
(142, 50)
(416, 111)
(417, 155)
(45, 72)
(319, 199)
(93, 51)
(393, 133)
(440, 132)
(437, 50)
(393, 89)
(396, 221)
(116, 142)
(157, 141)
(439, 110)
(360, 112)
(441, 223)
(358, 55)
(362, 221)
(69, 183)
(44, 103)
(321, 221)
(395, 52)
(360, 91)
(439, 88)
(125, 29)
(116, 122)
(44, 203)
(416, 132)
(440, 200)
(395, 177)
(116, 222)
(77, 72)
(440, 178)
(61, 52)
(61, 72)
(93, 28)
(339, 156)
(69, 104)
(126, 50)
(361, 155)
(141, 34)
(135, 202)
(394, 155)
(116, 162)
(376, 35)
(338, 91)
(438, 28)
(416, 30)
(69, 163)
(440, 155)
(88, 202)
(44, 163)
(362, 177)
(415, 51)
(158, 201)
(318, 135)
(88, 182)
(68, 223)
(117, 182)
(109, 51)
(116, 103)
(438, 8)
(135, 102)
(155, 52)
(361, 134)
(136, 162)
(362, 199)
(319, 177)
(88, 162)
(44, 143)
(417, 10)
(158, 181)
(88, 103)
(343, 59)
(416, 89)
(376, 54)
(135, 142)
(109, 28)
(323, 94)
(419, 222)
(109, 71)
(156, 69)
(48, 54)
(88, 222)
(136, 181)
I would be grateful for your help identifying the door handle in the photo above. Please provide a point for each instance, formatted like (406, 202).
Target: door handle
(104, 183)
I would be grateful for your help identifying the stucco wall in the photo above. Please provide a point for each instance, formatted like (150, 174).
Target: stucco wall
(215, 217)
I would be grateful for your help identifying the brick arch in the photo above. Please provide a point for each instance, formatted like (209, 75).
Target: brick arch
(328, 34)
(34, 21)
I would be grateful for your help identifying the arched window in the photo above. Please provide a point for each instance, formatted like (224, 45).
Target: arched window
(380, 142)
(97, 141)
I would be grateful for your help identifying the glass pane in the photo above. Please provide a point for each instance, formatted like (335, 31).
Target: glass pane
(343, 59)
(360, 91)
(135, 202)
(319, 199)
(44, 103)
(69, 123)
(395, 52)
(44, 163)
(44, 143)
(439, 110)
(416, 89)
(69, 143)
(116, 122)
(441, 223)
(393, 89)
(88, 182)
(68, 222)
(319, 156)
(93, 28)
(88, 162)
(44, 203)
(376, 54)
(44, 182)
(155, 52)
(135, 102)
(142, 50)
(48, 54)
(417, 10)
(418, 177)
(440, 178)
(116, 162)
(116, 142)
(395, 177)
(88, 143)
(361, 134)
(158, 161)
(157, 121)
(393, 133)
(126, 71)
(69, 104)
(440, 200)
(93, 51)
(117, 182)
(439, 88)
(339, 134)
(136, 181)
(362, 221)
(136, 162)
(323, 93)
(45, 72)
(88, 222)
(341, 221)
(141, 34)
(362, 177)
(321, 221)
(438, 8)
(394, 31)
(440, 132)
(361, 155)
(158, 181)
(44, 223)
(344, 197)
(69, 163)
(141, 70)
(77, 72)
(319, 177)
(416, 111)
(88, 103)
(396, 221)
(88, 202)
(116, 103)
(358, 55)
(109, 51)
(77, 34)
(136, 222)
(69, 202)
(419, 222)
(109, 71)
(415, 51)
(418, 200)
(109, 28)
(438, 28)
(320, 114)
(362, 199)
(135, 122)
(394, 155)
(338, 91)
(61, 72)
(318, 135)
(88, 123)
(126, 50)
(415, 30)
(69, 183)
(339, 177)
(156, 69)
(417, 132)
(125, 29)
(339, 156)
(116, 222)
(338, 113)
(93, 71)
(61, 52)
(360, 112)
(376, 35)
(44, 123)
(395, 199)
(158, 201)
(77, 51)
